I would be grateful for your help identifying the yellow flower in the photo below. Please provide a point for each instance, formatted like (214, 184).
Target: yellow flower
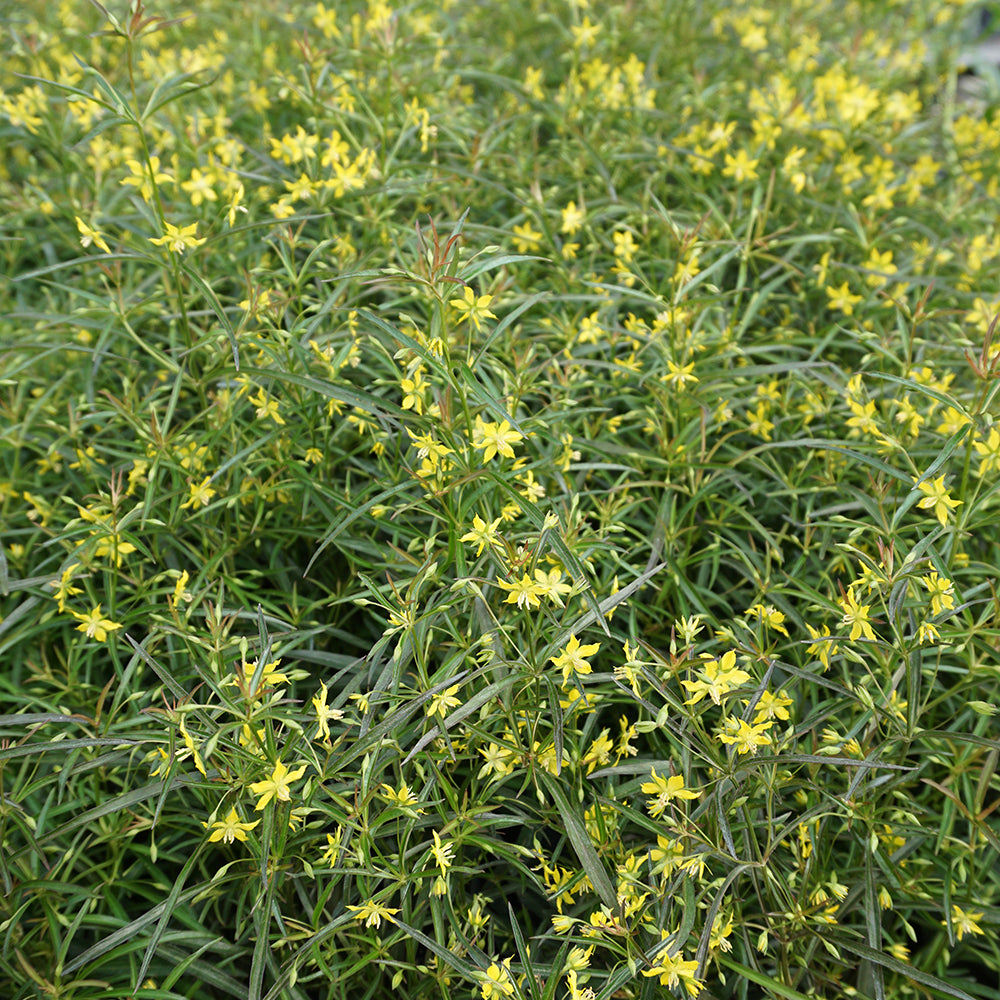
(192, 749)
(413, 390)
(824, 647)
(253, 740)
(572, 657)
(572, 219)
(161, 757)
(740, 167)
(301, 189)
(94, 625)
(856, 615)
(483, 533)
(533, 83)
(674, 970)
(988, 449)
(843, 298)
(717, 678)
(599, 752)
(198, 187)
(664, 790)
(772, 706)
(680, 375)
(402, 797)
(443, 851)
(722, 929)
(549, 584)
(229, 829)
(267, 407)
(526, 239)
(277, 786)
(496, 981)
(952, 421)
(744, 736)
(689, 628)
(863, 420)
(64, 586)
(427, 447)
(269, 675)
(909, 416)
(235, 206)
(143, 177)
(181, 593)
(936, 498)
(499, 760)
(577, 992)
(982, 315)
(200, 493)
(881, 267)
(585, 33)
(89, 235)
(372, 913)
(770, 616)
(324, 714)
(111, 547)
(441, 702)
(332, 849)
(964, 922)
(178, 238)
(494, 439)
(758, 420)
(524, 592)
(473, 308)
(624, 245)
(941, 591)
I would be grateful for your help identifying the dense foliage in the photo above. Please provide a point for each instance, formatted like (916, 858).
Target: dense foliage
(498, 500)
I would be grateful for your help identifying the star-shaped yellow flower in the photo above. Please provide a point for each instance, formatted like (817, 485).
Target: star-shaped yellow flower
(178, 238)
(665, 789)
(474, 308)
(229, 829)
(278, 786)
(94, 625)
(572, 657)
(936, 498)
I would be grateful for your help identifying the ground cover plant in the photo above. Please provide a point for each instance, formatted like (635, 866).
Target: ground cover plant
(498, 500)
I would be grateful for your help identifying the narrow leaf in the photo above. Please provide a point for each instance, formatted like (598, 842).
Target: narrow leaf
(580, 839)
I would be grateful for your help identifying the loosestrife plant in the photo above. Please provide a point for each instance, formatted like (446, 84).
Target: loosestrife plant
(498, 500)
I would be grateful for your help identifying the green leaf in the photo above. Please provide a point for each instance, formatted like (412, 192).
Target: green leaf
(522, 950)
(39, 718)
(895, 965)
(33, 749)
(170, 904)
(779, 989)
(128, 932)
(356, 511)
(467, 708)
(445, 954)
(576, 830)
